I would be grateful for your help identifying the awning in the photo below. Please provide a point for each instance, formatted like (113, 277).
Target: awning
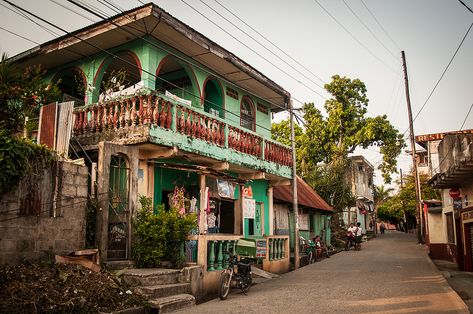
(306, 196)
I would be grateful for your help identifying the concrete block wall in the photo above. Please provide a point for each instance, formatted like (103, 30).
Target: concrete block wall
(59, 227)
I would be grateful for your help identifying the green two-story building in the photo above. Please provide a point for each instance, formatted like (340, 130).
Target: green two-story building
(161, 110)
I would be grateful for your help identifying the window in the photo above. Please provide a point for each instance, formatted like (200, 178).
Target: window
(449, 222)
(247, 114)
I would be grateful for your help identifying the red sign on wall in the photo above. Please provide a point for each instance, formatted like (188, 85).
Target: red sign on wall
(454, 193)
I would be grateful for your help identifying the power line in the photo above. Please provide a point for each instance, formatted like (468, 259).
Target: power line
(354, 37)
(126, 61)
(466, 117)
(441, 76)
(270, 42)
(266, 48)
(251, 49)
(369, 30)
(463, 3)
(380, 25)
(18, 35)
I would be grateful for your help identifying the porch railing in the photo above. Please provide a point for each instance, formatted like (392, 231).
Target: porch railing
(155, 110)
(277, 247)
(216, 248)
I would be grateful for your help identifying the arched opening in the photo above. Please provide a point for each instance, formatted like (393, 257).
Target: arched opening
(118, 220)
(213, 98)
(247, 114)
(121, 72)
(177, 79)
(72, 83)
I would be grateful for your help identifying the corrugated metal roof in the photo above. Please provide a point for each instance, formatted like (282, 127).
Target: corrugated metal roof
(306, 196)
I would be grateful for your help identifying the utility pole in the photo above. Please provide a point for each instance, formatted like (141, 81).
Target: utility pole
(294, 190)
(414, 163)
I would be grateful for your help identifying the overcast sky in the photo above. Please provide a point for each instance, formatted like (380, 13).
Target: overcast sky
(326, 38)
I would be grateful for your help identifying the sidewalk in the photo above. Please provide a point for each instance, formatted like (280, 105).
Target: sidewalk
(460, 281)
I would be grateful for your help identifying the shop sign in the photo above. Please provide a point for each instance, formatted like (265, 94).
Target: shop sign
(249, 206)
(247, 192)
(261, 248)
(225, 189)
(454, 193)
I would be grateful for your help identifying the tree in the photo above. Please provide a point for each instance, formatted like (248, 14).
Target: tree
(404, 202)
(381, 194)
(324, 143)
(22, 93)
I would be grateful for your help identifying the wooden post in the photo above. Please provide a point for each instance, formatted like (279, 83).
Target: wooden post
(414, 163)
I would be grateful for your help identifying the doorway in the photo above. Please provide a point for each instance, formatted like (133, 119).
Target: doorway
(227, 216)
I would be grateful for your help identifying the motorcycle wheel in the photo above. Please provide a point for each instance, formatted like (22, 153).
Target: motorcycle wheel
(310, 257)
(224, 288)
(347, 246)
(247, 287)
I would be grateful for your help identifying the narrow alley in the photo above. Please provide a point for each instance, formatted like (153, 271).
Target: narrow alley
(391, 274)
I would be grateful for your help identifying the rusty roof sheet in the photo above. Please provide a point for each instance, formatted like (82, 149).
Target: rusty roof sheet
(306, 196)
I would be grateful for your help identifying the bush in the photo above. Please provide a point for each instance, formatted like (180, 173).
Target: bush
(18, 157)
(160, 236)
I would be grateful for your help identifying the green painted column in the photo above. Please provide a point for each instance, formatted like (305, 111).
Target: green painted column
(280, 248)
(270, 253)
(275, 247)
(225, 253)
(234, 247)
(283, 248)
(211, 257)
(220, 255)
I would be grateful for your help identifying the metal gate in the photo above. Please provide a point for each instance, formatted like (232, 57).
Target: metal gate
(118, 209)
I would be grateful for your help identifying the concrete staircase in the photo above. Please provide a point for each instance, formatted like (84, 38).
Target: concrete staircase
(163, 288)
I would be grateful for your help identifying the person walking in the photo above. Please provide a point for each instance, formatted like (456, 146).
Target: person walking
(382, 227)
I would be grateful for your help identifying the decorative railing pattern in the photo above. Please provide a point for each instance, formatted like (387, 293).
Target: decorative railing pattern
(191, 250)
(197, 125)
(277, 248)
(277, 153)
(244, 142)
(217, 253)
(154, 110)
(130, 112)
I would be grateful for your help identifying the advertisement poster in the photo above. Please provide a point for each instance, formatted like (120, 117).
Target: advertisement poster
(249, 205)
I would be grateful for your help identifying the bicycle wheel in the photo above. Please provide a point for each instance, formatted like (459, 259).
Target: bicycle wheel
(224, 288)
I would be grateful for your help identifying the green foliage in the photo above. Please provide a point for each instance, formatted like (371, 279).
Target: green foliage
(404, 201)
(346, 127)
(18, 157)
(160, 236)
(91, 222)
(22, 93)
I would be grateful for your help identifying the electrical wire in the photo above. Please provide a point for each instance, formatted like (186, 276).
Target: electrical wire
(441, 76)
(251, 49)
(354, 37)
(270, 42)
(380, 25)
(463, 3)
(18, 35)
(265, 47)
(370, 31)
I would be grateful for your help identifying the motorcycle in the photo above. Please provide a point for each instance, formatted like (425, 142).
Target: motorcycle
(309, 249)
(237, 274)
(350, 241)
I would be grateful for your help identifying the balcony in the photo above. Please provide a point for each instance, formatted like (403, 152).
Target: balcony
(155, 118)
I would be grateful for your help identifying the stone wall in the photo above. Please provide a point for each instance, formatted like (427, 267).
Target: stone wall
(44, 215)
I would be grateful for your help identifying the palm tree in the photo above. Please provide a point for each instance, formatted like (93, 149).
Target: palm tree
(381, 194)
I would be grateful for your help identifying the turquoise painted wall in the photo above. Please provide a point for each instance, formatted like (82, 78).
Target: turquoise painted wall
(166, 179)
(260, 194)
(150, 57)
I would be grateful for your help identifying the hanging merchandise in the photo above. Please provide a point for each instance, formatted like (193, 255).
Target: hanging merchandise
(193, 207)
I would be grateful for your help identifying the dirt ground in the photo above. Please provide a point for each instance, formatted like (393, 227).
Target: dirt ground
(61, 289)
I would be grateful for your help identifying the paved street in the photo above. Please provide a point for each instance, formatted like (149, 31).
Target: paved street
(391, 274)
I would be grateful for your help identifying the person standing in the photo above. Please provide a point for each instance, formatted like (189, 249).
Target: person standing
(358, 235)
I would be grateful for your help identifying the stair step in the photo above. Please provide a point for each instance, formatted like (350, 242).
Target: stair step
(172, 303)
(151, 276)
(160, 291)
(119, 264)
